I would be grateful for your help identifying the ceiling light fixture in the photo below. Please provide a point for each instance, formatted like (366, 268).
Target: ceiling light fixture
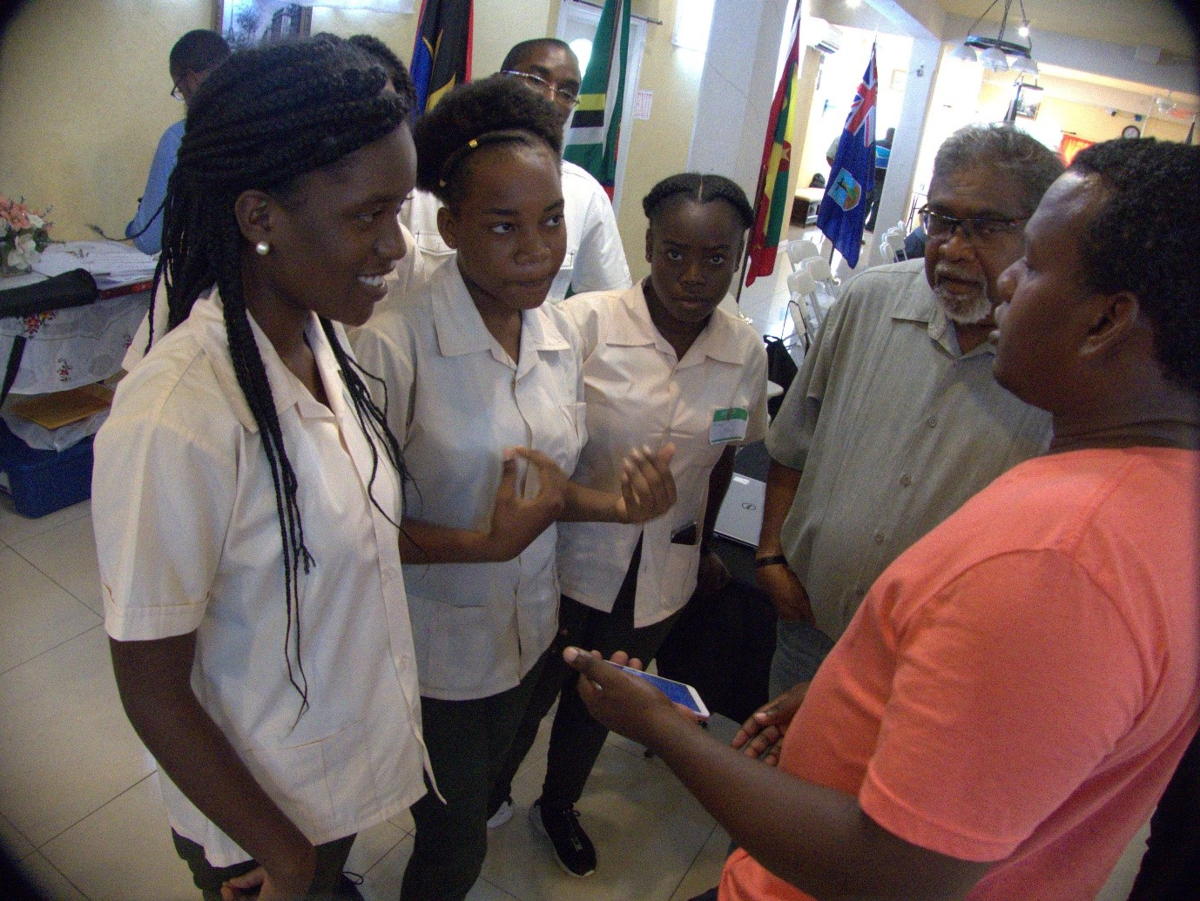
(994, 52)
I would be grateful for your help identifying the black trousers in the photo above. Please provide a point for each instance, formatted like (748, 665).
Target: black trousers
(575, 738)
(467, 741)
(327, 881)
(1170, 869)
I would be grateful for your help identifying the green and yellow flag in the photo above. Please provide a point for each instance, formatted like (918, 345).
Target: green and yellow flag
(592, 136)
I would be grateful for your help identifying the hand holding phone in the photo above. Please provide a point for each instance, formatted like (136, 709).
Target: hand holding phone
(679, 692)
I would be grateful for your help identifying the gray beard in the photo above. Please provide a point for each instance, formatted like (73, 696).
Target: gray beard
(964, 311)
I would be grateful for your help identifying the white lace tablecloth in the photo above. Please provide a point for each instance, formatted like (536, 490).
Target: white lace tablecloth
(68, 348)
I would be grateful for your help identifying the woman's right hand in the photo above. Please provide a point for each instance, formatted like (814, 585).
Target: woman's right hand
(518, 520)
(786, 592)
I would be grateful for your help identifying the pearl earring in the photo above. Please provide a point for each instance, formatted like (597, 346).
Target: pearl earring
(262, 248)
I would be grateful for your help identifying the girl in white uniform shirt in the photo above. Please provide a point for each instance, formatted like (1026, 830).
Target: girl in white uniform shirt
(246, 496)
(474, 365)
(661, 363)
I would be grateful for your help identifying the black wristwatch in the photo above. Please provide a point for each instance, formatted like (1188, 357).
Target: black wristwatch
(774, 559)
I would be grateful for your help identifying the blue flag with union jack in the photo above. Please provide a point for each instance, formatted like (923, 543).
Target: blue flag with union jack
(852, 177)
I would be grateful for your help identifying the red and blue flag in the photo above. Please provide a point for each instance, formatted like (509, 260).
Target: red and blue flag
(843, 210)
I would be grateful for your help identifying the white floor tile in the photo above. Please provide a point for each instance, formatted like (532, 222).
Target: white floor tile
(372, 846)
(35, 613)
(66, 748)
(15, 844)
(124, 850)
(647, 830)
(14, 527)
(67, 554)
(705, 871)
(1121, 880)
(49, 881)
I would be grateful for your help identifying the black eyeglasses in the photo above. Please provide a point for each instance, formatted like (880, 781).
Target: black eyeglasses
(554, 92)
(975, 230)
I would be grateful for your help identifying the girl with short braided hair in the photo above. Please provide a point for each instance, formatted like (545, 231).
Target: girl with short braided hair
(247, 489)
(662, 362)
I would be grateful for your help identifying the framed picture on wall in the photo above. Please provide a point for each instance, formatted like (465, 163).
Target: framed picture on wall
(244, 23)
(1026, 105)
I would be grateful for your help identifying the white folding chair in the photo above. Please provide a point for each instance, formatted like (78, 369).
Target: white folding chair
(801, 249)
(803, 307)
(818, 268)
(895, 244)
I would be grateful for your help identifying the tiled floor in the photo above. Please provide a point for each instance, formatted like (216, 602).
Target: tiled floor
(79, 808)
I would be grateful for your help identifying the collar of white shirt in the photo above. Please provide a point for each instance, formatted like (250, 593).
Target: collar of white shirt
(460, 328)
(286, 390)
(637, 329)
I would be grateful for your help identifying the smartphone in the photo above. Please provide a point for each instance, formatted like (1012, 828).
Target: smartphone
(679, 692)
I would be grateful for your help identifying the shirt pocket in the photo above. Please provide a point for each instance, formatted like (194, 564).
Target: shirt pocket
(456, 647)
(325, 785)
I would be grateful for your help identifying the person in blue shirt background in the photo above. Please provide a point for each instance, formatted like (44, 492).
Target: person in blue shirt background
(192, 58)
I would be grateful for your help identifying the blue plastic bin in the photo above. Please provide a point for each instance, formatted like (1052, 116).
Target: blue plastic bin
(42, 481)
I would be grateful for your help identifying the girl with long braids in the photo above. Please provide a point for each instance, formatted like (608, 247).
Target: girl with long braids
(475, 364)
(247, 490)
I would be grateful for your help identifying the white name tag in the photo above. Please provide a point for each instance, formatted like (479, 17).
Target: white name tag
(728, 425)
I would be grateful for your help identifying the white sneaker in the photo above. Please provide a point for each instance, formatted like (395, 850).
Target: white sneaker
(502, 815)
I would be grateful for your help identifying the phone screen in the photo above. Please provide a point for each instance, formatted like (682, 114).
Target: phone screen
(678, 692)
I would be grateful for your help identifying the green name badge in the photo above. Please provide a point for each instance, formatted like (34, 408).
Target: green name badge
(728, 425)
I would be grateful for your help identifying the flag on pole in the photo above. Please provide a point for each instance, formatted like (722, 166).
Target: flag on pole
(844, 207)
(771, 196)
(441, 57)
(592, 136)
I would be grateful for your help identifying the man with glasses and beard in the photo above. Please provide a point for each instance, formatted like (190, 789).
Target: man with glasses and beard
(595, 258)
(894, 419)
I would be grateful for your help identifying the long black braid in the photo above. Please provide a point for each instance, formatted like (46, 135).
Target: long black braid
(264, 118)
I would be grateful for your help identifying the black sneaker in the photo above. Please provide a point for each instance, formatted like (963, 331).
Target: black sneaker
(572, 848)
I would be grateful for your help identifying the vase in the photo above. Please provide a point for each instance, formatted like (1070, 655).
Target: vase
(6, 270)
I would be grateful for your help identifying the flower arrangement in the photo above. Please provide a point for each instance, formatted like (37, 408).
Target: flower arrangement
(24, 234)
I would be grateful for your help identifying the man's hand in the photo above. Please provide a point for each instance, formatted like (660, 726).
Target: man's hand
(622, 702)
(762, 734)
(647, 485)
(517, 520)
(786, 592)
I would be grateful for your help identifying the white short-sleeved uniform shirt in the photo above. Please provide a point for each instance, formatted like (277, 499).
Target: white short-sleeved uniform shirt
(456, 400)
(638, 392)
(595, 259)
(188, 539)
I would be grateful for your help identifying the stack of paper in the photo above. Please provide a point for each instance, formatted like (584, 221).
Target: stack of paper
(113, 265)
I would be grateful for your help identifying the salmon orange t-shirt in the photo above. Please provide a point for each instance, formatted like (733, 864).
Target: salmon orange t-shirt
(1019, 685)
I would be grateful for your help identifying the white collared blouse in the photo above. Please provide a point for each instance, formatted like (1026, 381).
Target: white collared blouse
(639, 392)
(456, 400)
(188, 539)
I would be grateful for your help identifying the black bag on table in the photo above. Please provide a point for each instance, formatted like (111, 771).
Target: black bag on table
(76, 288)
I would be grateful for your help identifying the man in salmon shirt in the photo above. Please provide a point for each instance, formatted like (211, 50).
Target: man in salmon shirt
(1010, 700)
